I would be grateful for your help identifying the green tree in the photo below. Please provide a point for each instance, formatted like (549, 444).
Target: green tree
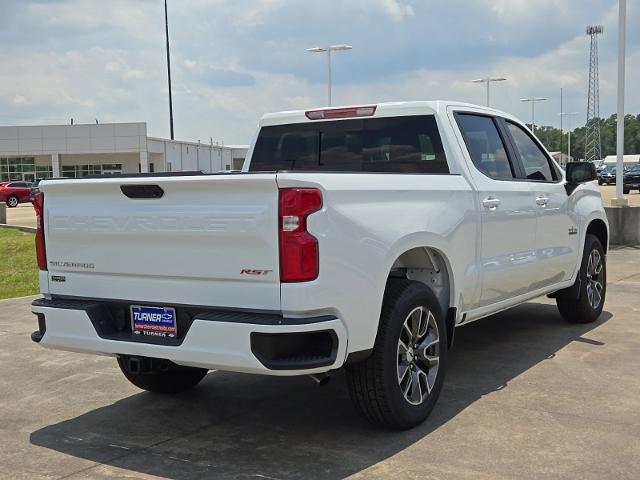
(551, 137)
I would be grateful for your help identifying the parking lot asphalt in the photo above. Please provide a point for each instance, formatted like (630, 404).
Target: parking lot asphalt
(23, 215)
(526, 396)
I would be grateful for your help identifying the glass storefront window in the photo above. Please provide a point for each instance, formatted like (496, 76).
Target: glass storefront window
(17, 168)
(69, 171)
(24, 168)
(44, 172)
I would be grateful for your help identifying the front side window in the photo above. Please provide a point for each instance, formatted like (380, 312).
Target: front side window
(485, 145)
(536, 164)
(408, 144)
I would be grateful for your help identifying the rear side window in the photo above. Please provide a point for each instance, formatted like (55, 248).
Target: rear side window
(485, 145)
(536, 164)
(395, 145)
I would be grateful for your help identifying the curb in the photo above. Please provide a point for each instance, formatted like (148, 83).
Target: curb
(22, 228)
(35, 295)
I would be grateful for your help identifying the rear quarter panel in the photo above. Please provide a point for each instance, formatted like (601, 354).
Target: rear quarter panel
(367, 221)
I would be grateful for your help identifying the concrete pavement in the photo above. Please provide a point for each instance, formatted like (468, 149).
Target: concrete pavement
(527, 396)
(609, 192)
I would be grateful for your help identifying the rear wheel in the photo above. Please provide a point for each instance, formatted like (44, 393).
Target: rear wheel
(399, 384)
(12, 201)
(592, 283)
(158, 375)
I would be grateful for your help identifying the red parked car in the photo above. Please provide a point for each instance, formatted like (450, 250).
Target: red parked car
(14, 193)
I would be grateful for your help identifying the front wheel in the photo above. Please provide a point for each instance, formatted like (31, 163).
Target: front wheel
(399, 384)
(158, 375)
(626, 191)
(592, 286)
(12, 201)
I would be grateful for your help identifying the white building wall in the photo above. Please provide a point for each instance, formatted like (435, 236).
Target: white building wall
(188, 156)
(109, 143)
(61, 139)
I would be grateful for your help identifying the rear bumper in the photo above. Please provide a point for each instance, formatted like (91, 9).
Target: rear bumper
(263, 343)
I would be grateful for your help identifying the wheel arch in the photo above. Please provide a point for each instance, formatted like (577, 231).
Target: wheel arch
(431, 267)
(598, 228)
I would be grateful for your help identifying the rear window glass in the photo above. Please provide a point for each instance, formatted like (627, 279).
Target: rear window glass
(396, 145)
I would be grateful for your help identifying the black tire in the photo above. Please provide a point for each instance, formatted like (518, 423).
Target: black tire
(161, 376)
(625, 191)
(580, 309)
(12, 201)
(600, 182)
(374, 385)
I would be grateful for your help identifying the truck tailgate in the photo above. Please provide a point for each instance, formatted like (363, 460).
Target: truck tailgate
(209, 240)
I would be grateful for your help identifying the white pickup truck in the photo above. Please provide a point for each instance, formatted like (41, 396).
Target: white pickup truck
(355, 237)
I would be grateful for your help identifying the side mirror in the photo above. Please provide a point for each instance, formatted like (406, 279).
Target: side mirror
(579, 172)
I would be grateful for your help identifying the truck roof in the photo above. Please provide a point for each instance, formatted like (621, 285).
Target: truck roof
(385, 109)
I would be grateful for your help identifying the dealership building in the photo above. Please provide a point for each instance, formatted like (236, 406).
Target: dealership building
(34, 152)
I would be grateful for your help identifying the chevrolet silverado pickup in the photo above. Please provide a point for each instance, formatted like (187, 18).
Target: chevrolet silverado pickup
(355, 237)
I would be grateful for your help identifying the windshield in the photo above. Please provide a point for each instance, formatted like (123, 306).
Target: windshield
(409, 144)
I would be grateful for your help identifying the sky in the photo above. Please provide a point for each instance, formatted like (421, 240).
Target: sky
(235, 60)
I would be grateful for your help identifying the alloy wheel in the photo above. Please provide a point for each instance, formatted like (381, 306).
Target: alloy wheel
(595, 276)
(418, 355)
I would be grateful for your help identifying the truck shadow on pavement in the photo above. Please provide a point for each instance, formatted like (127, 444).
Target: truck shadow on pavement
(246, 426)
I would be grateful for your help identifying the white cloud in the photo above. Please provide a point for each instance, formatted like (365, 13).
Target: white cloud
(234, 61)
(396, 9)
(20, 100)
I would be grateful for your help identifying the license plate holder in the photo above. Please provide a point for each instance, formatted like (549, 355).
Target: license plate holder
(158, 322)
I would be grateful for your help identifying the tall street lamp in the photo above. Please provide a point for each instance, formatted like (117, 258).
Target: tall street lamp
(568, 114)
(533, 101)
(166, 28)
(488, 81)
(622, 27)
(332, 48)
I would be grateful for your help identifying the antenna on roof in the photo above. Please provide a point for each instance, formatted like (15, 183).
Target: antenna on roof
(72, 121)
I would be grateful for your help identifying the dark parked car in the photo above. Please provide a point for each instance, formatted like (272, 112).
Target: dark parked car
(631, 179)
(607, 175)
(14, 193)
(34, 190)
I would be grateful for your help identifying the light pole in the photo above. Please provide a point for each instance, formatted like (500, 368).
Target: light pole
(533, 101)
(622, 23)
(568, 114)
(488, 81)
(332, 48)
(166, 27)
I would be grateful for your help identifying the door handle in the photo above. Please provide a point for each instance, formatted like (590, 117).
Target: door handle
(542, 201)
(491, 203)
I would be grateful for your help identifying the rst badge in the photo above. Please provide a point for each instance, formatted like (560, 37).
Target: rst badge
(154, 321)
(254, 271)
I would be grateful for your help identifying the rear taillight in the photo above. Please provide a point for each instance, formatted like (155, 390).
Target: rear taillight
(41, 254)
(299, 256)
